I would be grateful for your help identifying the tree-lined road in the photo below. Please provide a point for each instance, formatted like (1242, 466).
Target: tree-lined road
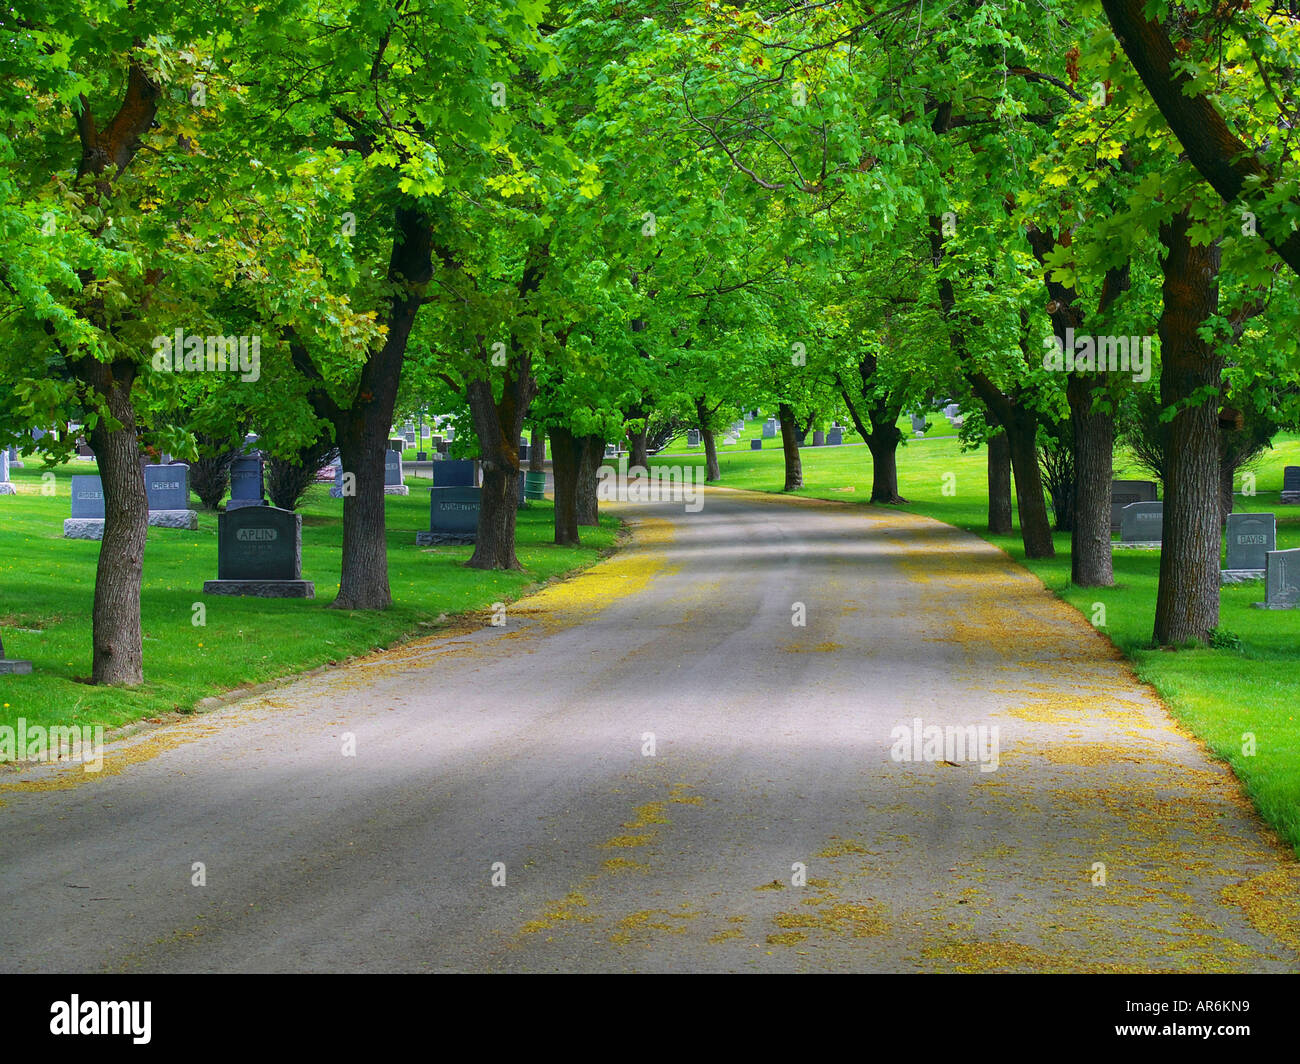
(649, 750)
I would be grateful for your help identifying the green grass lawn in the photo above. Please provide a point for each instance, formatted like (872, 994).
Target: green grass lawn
(47, 590)
(1249, 684)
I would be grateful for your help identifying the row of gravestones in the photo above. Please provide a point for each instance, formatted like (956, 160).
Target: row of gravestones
(1252, 552)
(454, 503)
(166, 487)
(833, 438)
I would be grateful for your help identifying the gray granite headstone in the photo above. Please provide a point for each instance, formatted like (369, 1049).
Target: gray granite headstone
(769, 428)
(1291, 484)
(246, 488)
(1250, 538)
(393, 484)
(12, 666)
(453, 516)
(692, 437)
(454, 473)
(1142, 522)
(755, 445)
(918, 423)
(1124, 493)
(259, 552)
(819, 438)
(167, 486)
(87, 497)
(6, 488)
(1281, 581)
(835, 438)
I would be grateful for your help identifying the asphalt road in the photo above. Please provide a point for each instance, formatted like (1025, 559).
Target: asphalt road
(663, 772)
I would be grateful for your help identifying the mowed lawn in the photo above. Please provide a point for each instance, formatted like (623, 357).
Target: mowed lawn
(47, 592)
(1250, 683)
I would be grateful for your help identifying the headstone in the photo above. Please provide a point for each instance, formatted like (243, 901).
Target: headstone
(769, 428)
(1125, 492)
(393, 484)
(819, 438)
(454, 473)
(737, 427)
(246, 486)
(835, 438)
(1142, 524)
(12, 666)
(250, 444)
(1291, 484)
(692, 437)
(83, 450)
(6, 488)
(453, 515)
(951, 411)
(1250, 538)
(336, 489)
(918, 424)
(167, 487)
(409, 437)
(1281, 581)
(755, 445)
(421, 456)
(397, 443)
(259, 552)
(611, 450)
(449, 435)
(524, 449)
(87, 520)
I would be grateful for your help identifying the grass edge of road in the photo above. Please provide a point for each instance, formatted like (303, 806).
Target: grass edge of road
(1200, 688)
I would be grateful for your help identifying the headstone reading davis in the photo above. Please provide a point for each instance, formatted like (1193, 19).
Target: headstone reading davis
(1124, 492)
(259, 552)
(246, 483)
(1291, 484)
(6, 488)
(393, 474)
(87, 520)
(1142, 524)
(1281, 581)
(1250, 538)
(168, 490)
(453, 516)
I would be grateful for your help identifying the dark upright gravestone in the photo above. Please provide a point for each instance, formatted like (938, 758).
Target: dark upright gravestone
(167, 488)
(259, 552)
(692, 437)
(524, 450)
(1250, 538)
(1142, 524)
(1281, 581)
(393, 474)
(1291, 484)
(755, 445)
(453, 516)
(6, 488)
(246, 483)
(454, 473)
(835, 438)
(1124, 493)
(87, 520)
(397, 443)
(819, 438)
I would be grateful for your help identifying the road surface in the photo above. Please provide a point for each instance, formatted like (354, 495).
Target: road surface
(654, 767)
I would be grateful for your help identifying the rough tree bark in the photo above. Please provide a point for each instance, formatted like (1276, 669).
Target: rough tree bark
(999, 474)
(790, 445)
(537, 451)
(712, 474)
(566, 458)
(639, 455)
(118, 648)
(1187, 601)
(882, 438)
(588, 502)
(361, 429)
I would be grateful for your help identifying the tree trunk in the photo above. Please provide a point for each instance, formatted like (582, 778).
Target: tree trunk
(999, 467)
(1227, 498)
(1094, 445)
(537, 451)
(639, 455)
(588, 502)
(1035, 528)
(1187, 602)
(497, 426)
(117, 654)
(711, 472)
(363, 578)
(566, 458)
(790, 444)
